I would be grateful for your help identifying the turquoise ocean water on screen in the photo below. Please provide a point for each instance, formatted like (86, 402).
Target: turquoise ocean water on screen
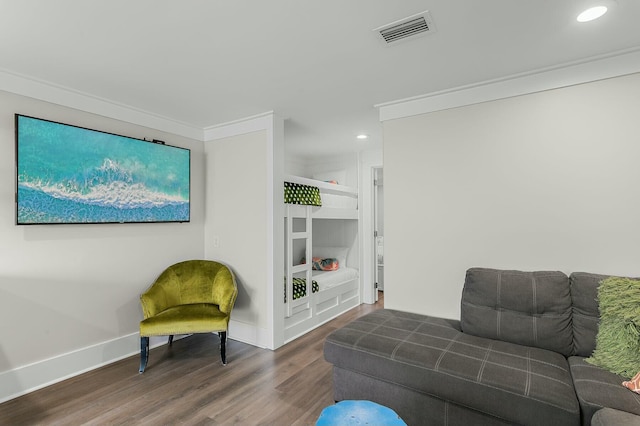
(69, 174)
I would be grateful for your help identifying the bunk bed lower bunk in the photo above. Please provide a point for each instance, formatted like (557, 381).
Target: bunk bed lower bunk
(322, 280)
(333, 293)
(328, 285)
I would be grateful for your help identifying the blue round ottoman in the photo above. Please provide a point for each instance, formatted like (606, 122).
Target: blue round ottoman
(352, 413)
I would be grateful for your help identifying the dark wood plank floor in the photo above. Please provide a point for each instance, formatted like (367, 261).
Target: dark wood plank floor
(187, 385)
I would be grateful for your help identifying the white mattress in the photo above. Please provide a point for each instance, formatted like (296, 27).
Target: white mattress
(328, 279)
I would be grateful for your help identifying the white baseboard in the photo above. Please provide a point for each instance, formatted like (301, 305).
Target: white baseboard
(250, 334)
(31, 377)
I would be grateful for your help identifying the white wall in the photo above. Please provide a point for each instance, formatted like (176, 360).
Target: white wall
(295, 166)
(69, 294)
(346, 164)
(236, 205)
(244, 198)
(338, 233)
(540, 181)
(317, 168)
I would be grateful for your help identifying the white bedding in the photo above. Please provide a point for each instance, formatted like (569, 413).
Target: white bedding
(328, 279)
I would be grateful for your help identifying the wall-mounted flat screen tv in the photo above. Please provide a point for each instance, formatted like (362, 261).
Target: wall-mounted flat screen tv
(72, 175)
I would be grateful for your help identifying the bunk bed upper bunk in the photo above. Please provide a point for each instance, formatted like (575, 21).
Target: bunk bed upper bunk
(337, 201)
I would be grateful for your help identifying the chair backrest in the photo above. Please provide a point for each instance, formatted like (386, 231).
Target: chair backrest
(191, 282)
(527, 308)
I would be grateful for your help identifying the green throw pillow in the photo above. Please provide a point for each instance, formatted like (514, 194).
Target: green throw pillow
(618, 339)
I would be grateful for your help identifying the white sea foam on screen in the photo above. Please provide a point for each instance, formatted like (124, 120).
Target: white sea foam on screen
(114, 194)
(109, 185)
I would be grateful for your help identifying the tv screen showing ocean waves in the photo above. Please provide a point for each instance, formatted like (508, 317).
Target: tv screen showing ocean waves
(67, 174)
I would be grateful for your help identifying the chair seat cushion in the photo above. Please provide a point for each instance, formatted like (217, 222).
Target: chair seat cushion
(185, 319)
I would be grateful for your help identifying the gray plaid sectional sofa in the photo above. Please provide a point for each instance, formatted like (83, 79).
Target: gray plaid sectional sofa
(516, 356)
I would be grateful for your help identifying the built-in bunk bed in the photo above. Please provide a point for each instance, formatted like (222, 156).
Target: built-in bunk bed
(322, 257)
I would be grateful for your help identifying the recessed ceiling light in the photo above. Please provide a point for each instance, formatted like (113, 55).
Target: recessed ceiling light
(362, 136)
(592, 13)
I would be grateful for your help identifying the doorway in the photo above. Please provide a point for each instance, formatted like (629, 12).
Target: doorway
(378, 231)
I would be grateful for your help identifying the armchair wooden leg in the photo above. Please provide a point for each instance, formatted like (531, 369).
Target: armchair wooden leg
(144, 353)
(223, 346)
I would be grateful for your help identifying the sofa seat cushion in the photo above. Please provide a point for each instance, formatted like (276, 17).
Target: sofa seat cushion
(611, 417)
(432, 356)
(185, 319)
(597, 388)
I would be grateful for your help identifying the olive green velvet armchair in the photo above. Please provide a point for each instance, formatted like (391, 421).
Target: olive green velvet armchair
(194, 296)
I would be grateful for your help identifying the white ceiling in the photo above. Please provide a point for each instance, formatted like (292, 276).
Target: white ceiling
(318, 64)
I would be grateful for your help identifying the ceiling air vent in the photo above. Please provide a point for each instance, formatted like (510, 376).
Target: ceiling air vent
(412, 26)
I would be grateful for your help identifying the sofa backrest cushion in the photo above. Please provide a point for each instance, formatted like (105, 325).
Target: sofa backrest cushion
(527, 308)
(584, 295)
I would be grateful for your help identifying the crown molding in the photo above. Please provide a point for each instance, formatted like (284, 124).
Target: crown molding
(601, 67)
(254, 123)
(60, 95)
(67, 97)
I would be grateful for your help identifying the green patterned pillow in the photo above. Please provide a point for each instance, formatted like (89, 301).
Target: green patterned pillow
(618, 338)
(300, 288)
(295, 193)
